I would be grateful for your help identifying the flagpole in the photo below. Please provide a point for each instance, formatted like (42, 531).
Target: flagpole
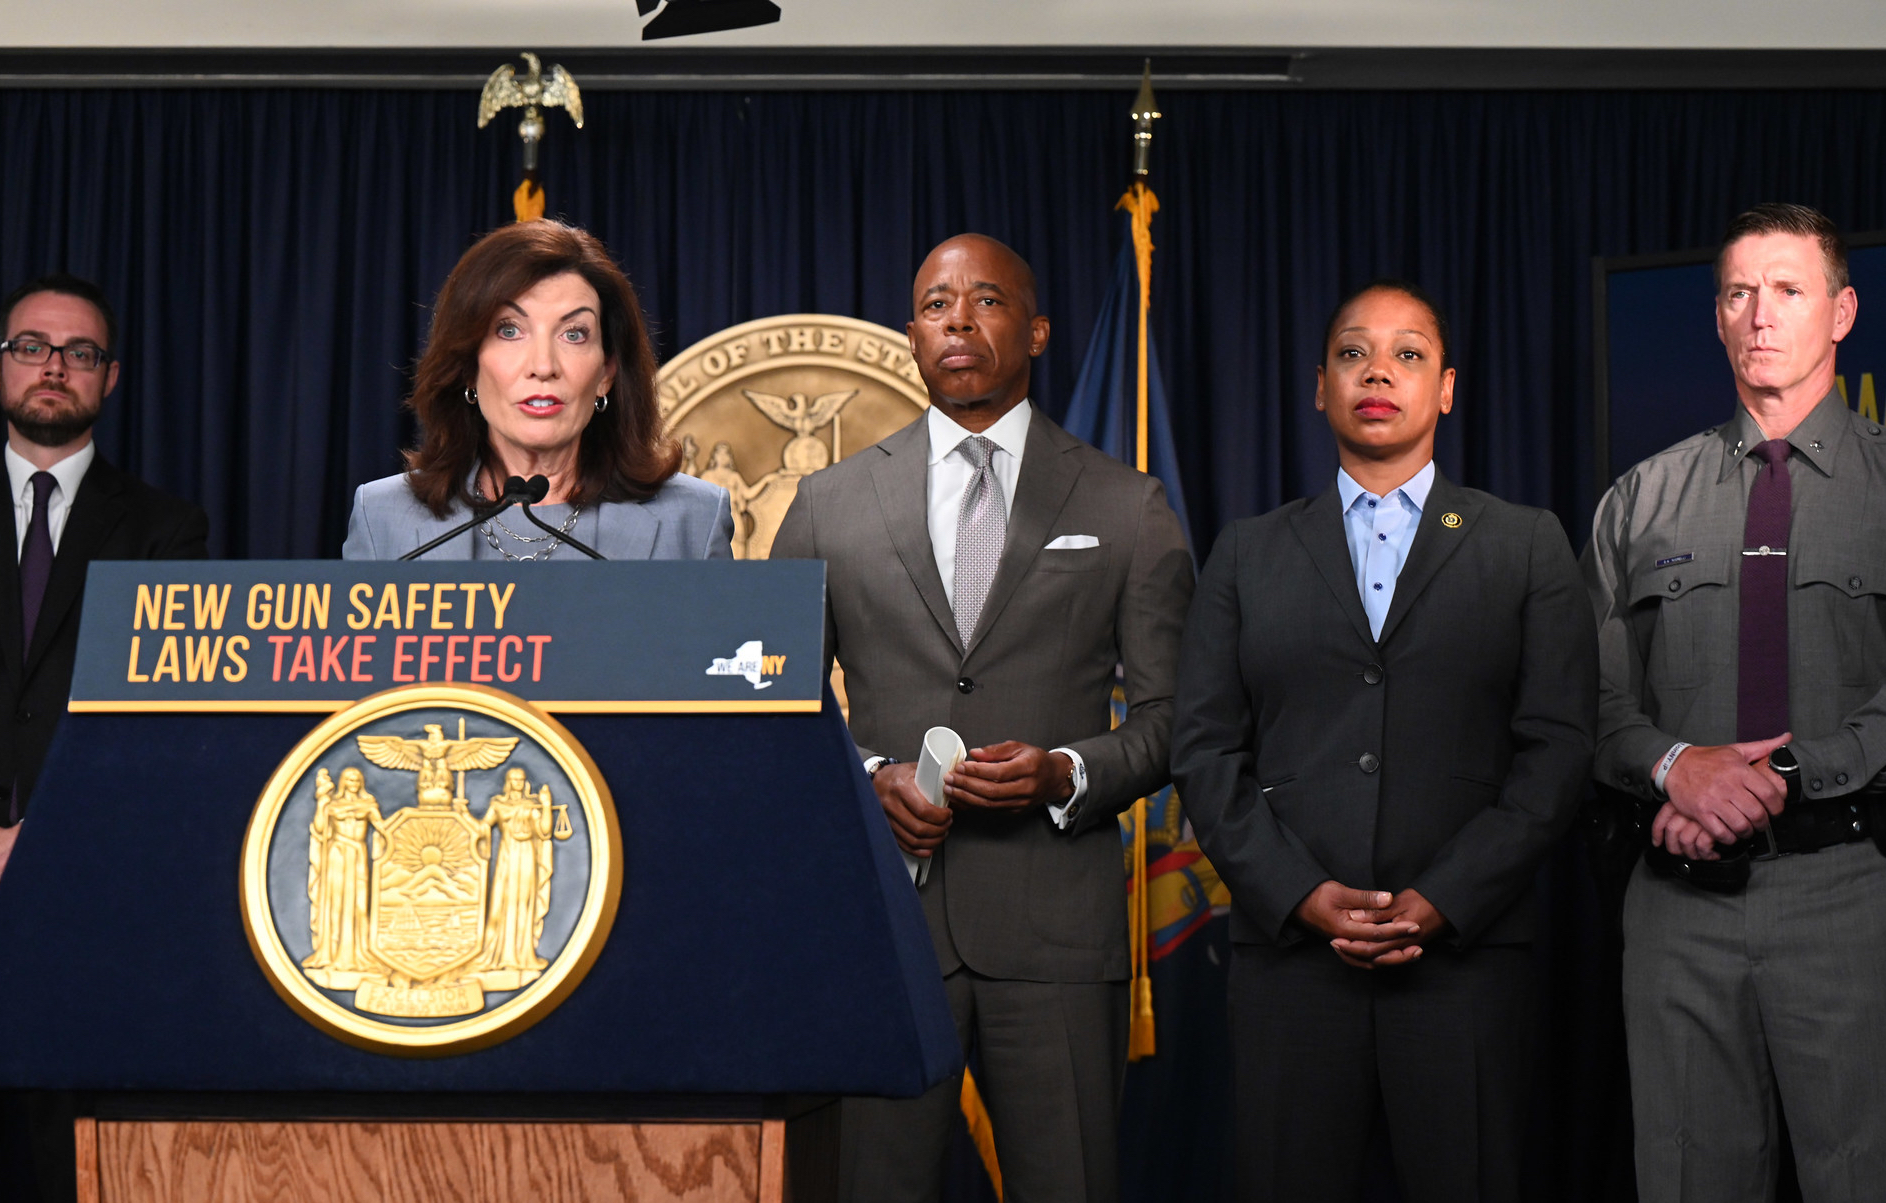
(1141, 204)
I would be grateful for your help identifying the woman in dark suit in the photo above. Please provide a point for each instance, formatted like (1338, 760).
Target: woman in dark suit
(538, 364)
(1383, 722)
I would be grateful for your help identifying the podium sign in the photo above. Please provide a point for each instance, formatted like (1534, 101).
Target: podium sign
(616, 637)
(766, 950)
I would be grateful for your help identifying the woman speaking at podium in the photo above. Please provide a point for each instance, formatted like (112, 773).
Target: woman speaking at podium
(538, 365)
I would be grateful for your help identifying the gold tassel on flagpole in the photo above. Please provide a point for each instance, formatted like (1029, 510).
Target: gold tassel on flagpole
(1141, 204)
(528, 201)
(1139, 1038)
(981, 1132)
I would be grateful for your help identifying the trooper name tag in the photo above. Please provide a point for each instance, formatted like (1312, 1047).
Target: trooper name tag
(431, 870)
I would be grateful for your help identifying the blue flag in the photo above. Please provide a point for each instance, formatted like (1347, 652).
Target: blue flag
(1174, 1120)
(1104, 407)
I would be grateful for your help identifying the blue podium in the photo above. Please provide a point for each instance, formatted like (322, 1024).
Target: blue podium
(767, 953)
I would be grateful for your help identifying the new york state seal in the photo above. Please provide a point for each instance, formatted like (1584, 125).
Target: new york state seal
(431, 870)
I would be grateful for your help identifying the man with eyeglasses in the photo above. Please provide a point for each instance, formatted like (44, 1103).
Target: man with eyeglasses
(69, 508)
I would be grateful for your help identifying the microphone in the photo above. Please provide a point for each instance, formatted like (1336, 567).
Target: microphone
(537, 487)
(517, 491)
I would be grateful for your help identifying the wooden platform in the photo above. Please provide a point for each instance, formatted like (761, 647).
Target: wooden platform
(419, 1161)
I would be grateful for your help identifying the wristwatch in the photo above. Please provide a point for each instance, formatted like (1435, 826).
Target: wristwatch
(1783, 761)
(873, 764)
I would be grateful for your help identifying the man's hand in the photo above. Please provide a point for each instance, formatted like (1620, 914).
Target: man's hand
(1681, 836)
(1370, 928)
(919, 827)
(7, 836)
(1010, 776)
(1727, 790)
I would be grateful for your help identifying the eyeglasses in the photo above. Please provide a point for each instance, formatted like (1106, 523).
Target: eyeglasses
(83, 357)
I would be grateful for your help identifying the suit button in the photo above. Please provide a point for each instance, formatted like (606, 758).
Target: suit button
(1675, 585)
(964, 684)
(1369, 762)
(1853, 582)
(1814, 784)
(1840, 778)
(1372, 674)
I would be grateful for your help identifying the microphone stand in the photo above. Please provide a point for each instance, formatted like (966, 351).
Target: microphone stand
(516, 492)
(538, 486)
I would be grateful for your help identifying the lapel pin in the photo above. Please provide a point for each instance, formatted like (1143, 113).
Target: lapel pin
(1450, 521)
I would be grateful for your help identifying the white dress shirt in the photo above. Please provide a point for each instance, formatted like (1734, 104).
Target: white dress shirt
(951, 471)
(950, 474)
(67, 474)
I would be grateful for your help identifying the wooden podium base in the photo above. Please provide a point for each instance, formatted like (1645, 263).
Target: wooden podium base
(127, 1160)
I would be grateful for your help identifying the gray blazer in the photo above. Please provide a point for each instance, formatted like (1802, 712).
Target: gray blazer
(1010, 895)
(688, 519)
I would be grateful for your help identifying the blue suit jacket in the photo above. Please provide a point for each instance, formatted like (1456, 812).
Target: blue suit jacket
(688, 519)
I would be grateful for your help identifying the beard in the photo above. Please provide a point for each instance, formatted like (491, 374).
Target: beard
(50, 423)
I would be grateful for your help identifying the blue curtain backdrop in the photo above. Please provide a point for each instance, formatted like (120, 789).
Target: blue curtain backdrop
(273, 252)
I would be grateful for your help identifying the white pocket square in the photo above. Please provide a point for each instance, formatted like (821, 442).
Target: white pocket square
(1071, 543)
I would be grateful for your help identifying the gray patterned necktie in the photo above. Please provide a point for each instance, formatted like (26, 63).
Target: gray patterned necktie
(981, 529)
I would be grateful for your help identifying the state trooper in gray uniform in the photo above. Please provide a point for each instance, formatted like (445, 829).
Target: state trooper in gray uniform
(1739, 579)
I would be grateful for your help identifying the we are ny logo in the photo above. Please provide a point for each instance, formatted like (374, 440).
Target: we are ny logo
(751, 662)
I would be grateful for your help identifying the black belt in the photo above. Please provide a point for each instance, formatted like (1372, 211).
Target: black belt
(1802, 827)
(1809, 828)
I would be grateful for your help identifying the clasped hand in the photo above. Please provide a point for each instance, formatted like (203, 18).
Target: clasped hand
(1006, 776)
(1371, 929)
(1718, 795)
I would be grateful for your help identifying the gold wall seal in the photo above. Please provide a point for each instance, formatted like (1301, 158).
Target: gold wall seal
(431, 870)
(760, 405)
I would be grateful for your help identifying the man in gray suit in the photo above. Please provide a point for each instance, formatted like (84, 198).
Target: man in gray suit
(987, 571)
(1741, 601)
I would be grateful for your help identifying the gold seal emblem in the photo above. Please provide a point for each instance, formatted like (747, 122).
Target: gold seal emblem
(1450, 521)
(445, 925)
(760, 405)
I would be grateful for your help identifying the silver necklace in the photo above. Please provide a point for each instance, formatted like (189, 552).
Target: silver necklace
(556, 540)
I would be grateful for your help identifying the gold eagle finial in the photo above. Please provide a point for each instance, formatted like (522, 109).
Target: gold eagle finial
(503, 90)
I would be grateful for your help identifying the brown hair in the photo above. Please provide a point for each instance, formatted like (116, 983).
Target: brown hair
(624, 456)
(1800, 220)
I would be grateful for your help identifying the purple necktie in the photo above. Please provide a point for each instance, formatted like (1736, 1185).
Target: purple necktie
(35, 558)
(1761, 703)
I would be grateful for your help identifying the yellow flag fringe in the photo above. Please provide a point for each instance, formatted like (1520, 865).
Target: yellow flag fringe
(1140, 205)
(981, 1132)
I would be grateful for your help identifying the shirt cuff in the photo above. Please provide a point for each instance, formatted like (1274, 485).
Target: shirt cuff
(1831, 764)
(1064, 813)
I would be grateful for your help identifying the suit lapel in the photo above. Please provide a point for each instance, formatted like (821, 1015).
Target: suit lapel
(902, 478)
(1446, 521)
(1047, 477)
(96, 512)
(1319, 529)
(633, 537)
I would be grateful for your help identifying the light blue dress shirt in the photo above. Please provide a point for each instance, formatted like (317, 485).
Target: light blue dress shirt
(1380, 531)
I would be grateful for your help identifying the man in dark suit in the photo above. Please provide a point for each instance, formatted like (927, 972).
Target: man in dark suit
(69, 507)
(987, 571)
(1384, 717)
